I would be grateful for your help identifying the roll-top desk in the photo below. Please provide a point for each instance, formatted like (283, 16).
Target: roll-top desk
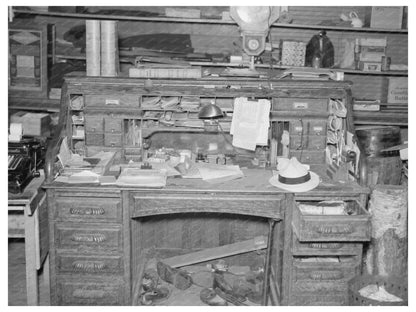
(98, 233)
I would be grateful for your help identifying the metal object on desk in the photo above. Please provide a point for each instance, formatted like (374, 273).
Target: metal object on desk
(25, 159)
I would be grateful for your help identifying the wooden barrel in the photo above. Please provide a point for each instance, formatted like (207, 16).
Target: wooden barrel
(376, 138)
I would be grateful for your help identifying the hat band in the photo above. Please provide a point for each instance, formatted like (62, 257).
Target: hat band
(292, 181)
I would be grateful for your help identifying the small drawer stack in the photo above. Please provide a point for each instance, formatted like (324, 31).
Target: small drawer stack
(308, 130)
(87, 259)
(326, 251)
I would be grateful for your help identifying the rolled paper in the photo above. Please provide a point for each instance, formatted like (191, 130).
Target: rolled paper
(93, 47)
(109, 49)
(16, 128)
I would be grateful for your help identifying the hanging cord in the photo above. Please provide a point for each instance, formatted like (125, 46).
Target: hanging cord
(301, 139)
(225, 137)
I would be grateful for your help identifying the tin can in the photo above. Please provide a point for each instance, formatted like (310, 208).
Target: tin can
(385, 63)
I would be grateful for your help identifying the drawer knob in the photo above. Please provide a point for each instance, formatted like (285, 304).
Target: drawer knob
(326, 275)
(346, 229)
(88, 266)
(87, 211)
(88, 293)
(89, 238)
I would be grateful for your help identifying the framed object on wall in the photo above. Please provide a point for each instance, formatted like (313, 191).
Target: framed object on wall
(28, 58)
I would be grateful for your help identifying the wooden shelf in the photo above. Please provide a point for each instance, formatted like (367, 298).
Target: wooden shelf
(380, 118)
(34, 104)
(201, 21)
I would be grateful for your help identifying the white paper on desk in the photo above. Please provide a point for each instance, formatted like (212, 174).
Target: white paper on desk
(220, 173)
(84, 176)
(250, 123)
(142, 177)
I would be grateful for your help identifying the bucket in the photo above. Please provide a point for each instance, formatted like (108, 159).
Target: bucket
(383, 167)
(376, 138)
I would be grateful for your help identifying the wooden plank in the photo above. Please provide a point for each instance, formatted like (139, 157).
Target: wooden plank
(256, 243)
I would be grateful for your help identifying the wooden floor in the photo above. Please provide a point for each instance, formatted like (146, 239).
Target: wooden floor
(17, 276)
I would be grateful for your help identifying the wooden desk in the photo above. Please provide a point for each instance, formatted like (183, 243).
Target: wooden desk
(98, 233)
(27, 218)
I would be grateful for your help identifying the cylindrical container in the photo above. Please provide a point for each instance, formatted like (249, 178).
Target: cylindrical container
(376, 138)
(93, 47)
(383, 168)
(385, 63)
(109, 49)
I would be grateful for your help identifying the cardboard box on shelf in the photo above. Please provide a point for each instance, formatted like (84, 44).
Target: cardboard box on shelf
(34, 124)
(387, 17)
(293, 53)
(397, 90)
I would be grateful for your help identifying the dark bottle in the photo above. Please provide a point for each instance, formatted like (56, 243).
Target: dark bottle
(320, 51)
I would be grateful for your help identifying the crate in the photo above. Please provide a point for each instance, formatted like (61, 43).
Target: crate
(293, 53)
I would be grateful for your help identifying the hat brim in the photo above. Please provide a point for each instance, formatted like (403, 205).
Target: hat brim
(296, 188)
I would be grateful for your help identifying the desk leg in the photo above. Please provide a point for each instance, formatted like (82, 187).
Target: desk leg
(268, 259)
(30, 256)
(46, 280)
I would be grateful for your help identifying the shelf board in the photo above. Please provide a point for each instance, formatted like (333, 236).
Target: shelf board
(282, 67)
(380, 118)
(34, 104)
(202, 21)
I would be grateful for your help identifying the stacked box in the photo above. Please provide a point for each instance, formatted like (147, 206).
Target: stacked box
(293, 53)
(398, 90)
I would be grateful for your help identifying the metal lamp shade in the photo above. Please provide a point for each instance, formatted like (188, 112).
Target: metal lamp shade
(210, 111)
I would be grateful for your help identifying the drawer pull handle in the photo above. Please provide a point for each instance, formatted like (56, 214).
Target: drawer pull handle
(319, 275)
(87, 211)
(346, 229)
(325, 245)
(89, 238)
(88, 293)
(88, 266)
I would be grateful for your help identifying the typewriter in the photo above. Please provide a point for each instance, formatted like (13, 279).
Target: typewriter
(25, 159)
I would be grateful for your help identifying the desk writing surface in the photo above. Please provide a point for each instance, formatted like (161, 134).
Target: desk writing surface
(254, 181)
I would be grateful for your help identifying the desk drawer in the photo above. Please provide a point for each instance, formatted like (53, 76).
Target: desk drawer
(312, 142)
(95, 139)
(249, 205)
(90, 293)
(108, 101)
(300, 104)
(113, 139)
(325, 248)
(89, 237)
(95, 265)
(113, 124)
(334, 299)
(94, 123)
(352, 226)
(309, 156)
(326, 270)
(85, 209)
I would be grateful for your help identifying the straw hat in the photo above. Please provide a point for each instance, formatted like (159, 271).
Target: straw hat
(294, 177)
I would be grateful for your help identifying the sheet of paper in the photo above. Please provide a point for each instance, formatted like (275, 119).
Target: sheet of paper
(250, 123)
(219, 173)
